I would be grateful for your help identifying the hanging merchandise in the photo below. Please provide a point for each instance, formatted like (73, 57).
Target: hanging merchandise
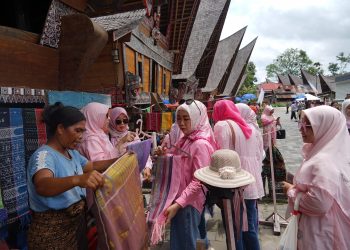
(120, 206)
(142, 150)
(167, 121)
(164, 190)
(12, 166)
(154, 121)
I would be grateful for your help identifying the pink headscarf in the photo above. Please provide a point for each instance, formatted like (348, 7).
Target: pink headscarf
(115, 134)
(266, 117)
(326, 160)
(95, 114)
(200, 126)
(225, 109)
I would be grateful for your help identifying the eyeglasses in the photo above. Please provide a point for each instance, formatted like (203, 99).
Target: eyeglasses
(119, 122)
(303, 125)
(189, 102)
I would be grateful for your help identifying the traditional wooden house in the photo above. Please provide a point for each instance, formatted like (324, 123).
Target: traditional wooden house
(342, 86)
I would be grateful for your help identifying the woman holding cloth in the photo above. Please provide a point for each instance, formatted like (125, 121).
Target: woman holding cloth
(324, 181)
(198, 141)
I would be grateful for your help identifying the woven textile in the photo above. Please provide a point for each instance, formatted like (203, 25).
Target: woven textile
(142, 150)
(120, 206)
(165, 188)
(12, 165)
(34, 131)
(154, 121)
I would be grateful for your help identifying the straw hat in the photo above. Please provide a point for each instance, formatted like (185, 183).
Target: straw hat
(224, 171)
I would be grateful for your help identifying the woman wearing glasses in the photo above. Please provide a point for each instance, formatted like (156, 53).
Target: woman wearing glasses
(199, 143)
(121, 137)
(324, 181)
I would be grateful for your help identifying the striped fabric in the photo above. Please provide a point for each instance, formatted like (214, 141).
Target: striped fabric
(167, 121)
(34, 131)
(154, 121)
(121, 217)
(164, 190)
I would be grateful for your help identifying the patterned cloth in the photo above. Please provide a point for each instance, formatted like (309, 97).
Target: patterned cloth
(154, 121)
(165, 188)
(12, 165)
(59, 229)
(120, 207)
(34, 131)
(142, 150)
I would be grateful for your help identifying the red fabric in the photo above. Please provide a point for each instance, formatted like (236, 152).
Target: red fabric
(41, 128)
(92, 238)
(154, 121)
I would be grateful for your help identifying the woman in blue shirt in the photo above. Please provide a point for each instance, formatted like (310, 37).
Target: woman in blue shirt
(57, 177)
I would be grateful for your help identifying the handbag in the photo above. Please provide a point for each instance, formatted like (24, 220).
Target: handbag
(289, 238)
(281, 133)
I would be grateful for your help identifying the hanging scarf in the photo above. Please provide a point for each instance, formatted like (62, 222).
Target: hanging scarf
(227, 110)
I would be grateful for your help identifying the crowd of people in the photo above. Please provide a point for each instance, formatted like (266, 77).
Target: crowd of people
(63, 173)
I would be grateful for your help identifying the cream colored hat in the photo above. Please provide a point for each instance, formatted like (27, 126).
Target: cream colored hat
(224, 171)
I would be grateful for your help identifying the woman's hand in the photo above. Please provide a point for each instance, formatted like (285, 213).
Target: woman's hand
(159, 151)
(92, 180)
(171, 212)
(129, 137)
(147, 174)
(286, 186)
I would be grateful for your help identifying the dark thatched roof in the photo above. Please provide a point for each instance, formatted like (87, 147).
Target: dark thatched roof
(205, 21)
(225, 53)
(283, 79)
(313, 81)
(238, 69)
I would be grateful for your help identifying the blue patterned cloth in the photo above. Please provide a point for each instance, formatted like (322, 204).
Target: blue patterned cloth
(13, 181)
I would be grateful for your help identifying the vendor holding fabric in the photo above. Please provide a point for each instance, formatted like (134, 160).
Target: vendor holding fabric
(57, 177)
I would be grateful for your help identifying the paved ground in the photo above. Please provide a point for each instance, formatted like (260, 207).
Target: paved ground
(290, 149)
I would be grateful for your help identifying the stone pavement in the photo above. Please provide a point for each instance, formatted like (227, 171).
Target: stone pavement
(291, 151)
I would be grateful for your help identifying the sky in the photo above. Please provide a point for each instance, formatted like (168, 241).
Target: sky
(320, 27)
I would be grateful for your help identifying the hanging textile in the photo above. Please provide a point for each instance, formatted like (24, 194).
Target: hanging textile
(142, 150)
(153, 121)
(34, 131)
(167, 121)
(164, 190)
(77, 99)
(12, 165)
(120, 206)
(17, 95)
(3, 220)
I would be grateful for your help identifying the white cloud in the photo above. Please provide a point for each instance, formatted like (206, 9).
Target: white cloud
(320, 27)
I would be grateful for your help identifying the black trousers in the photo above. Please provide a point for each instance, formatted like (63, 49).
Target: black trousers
(293, 115)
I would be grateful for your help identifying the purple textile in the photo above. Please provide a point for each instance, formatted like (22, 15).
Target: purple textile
(142, 150)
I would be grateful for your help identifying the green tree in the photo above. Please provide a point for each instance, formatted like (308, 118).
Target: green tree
(341, 64)
(290, 62)
(333, 68)
(248, 86)
(343, 61)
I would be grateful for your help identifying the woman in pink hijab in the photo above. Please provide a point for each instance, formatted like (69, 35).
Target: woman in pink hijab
(121, 137)
(96, 144)
(199, 143)
(233, 132)
(324, 181)
(269, 123)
